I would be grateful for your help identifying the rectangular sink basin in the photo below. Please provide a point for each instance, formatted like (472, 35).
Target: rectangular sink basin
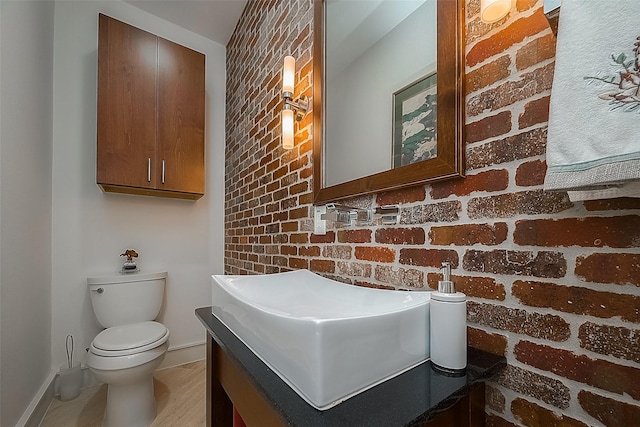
(327, 340)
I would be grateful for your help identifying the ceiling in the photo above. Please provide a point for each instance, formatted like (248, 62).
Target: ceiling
(213, 19)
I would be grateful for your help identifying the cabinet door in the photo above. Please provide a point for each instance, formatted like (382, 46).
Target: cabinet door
(126, 137)
(181, 107)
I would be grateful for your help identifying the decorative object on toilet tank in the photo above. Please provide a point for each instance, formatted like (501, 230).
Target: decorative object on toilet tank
(448, 320)
(292, 108)
(129, 265)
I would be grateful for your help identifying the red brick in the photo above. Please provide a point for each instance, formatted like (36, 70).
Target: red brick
(405, 195)
(535, 112)
(492, 180)
(428, 257)
(623, 203)
(469, 234)
(354, 236)
(506, 37)
(337, 251)
(299, 238)
(376, 254)
(536, 325)
(620, 342)
(477, 287)
(536, 51)
(532, 83)
(578, 300)
(298, 263)
(615, 232)
(489, 127)
(353, 269)
(310, 251)
(494, 399)
(277, 174)
(373, 285)
(399, 278)
(493, 343)
(594, 372)
(531, 414)
(298, 163)
(298, 213)
(400, 236)
(322, 265)
(433, 212)
(526, 263)
(289, 226)
(524, 145)
(531, 173)
(299, 188)
(329, 237)
(288, 250)
(532, 202)
(488, 74)
(538, 386)
(621, 269)
(523, 5)
(609, 412)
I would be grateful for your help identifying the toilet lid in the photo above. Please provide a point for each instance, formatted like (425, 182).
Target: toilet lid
(131, 336)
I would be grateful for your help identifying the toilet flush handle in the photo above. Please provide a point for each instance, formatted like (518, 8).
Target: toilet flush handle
(99, 290)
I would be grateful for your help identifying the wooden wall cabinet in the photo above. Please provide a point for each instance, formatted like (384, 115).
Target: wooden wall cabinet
(151, 107)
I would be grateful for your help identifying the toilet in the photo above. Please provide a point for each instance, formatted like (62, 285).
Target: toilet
(125, 354)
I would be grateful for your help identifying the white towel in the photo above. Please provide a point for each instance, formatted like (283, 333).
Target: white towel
(593, 142)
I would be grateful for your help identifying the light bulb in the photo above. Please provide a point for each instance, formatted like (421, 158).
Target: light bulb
(494, 10)
(287, 129)
(288, 74)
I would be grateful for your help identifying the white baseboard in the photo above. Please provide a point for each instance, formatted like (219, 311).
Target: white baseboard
(187, 353)
(35, 412)
(37, 409)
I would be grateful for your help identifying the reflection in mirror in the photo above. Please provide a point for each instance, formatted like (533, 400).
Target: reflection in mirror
(380, 69)
(373, 50)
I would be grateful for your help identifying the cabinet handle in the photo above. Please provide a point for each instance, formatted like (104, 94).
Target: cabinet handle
(163, 171)
(149, 169)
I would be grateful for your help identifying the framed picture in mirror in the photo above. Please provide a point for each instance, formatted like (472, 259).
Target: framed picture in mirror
(415, 122)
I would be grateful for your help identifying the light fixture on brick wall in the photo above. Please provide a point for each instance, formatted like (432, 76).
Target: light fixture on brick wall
(494, 10)
(292, 109)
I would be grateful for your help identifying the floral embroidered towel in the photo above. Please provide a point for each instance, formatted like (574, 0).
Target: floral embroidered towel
(593, 142)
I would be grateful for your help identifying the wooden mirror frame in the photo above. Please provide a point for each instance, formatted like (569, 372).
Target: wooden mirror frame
(450, 115)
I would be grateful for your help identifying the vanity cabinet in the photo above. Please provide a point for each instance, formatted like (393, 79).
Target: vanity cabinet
(419, 397)
(151, 108)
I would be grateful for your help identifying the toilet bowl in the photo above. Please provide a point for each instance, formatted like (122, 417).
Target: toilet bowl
(128, 371)
(125, 354)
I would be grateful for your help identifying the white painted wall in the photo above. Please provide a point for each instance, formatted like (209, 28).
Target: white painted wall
(26, 60)
(91, 228)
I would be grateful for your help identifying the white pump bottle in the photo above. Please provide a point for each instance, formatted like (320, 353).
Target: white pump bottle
(448, 320)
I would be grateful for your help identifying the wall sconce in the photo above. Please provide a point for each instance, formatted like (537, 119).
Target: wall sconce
(292, 109)
(494, 10)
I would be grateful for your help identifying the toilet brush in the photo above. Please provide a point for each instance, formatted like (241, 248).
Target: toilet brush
(70, 376)
(69, 346)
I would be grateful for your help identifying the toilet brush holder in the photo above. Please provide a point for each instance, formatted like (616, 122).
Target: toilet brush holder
(69, 382)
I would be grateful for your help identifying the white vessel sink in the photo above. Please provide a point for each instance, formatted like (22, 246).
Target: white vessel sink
(327, 340)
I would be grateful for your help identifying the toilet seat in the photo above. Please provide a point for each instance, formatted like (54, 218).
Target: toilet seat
(125, 340)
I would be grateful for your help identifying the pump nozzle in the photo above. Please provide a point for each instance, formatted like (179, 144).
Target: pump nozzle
(446, 285)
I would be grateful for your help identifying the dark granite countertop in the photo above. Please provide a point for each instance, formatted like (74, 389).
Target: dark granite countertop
(409, 399)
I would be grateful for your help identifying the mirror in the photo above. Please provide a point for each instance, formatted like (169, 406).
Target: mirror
(385, 115)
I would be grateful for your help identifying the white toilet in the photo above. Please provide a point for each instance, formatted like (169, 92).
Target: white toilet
(125, 355)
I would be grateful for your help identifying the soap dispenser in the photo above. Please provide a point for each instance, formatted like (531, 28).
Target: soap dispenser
(448, 320)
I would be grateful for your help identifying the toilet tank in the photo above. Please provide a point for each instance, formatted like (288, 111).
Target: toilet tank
(126, 298)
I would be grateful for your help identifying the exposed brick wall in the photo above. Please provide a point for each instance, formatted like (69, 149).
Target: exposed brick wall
(553, 285)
